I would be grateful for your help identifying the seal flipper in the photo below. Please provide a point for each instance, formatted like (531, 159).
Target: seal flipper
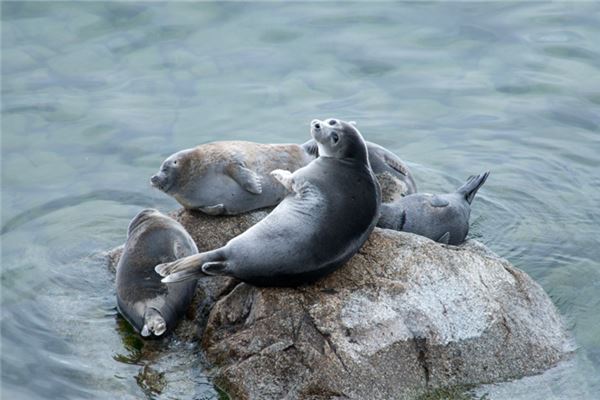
(284, 177)
(445, 238)
(437, 201)
(311, 148)
(154, 323)
(215, 268)
(187, 267)
(470, 188)
(218, 209)
(395, 165)
(245, 177)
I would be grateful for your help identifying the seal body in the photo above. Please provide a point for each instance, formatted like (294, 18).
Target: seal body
(332, 207)
(440, 217)
(150, 306)
(394, 176)
(228, 178)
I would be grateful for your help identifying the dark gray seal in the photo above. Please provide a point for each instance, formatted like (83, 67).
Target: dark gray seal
(232, 177)
(149, 305)
(331, 209)
(440, 217)
(394, 176)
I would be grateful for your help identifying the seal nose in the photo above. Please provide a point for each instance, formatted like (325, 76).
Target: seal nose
(154, 180)
(332, 122)
(316, 124)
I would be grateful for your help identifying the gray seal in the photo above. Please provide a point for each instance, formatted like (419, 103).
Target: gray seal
(440, 217)
(149, 305)
(228, 178)
(332, 207)
(391, 172)
(232, 177)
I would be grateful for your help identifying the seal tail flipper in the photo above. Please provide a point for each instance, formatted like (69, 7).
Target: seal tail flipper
(154, 323)
(186, 268)
(470, 188)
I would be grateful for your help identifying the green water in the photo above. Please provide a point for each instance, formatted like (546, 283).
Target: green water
(95, 95)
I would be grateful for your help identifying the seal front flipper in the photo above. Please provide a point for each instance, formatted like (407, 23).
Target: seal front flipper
(395, 165)
(311, 148)
(218, 209)
(284, 177)
(445, 238)
(437, 201)
(215, 268)
(245, 177)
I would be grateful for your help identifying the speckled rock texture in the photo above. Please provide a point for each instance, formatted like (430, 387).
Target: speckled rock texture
(405, 315)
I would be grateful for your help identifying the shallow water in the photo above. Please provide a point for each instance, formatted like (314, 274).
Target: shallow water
(95, 95)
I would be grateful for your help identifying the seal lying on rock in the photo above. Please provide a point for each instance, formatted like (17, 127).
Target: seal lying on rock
(331, 209)
(228, 177)
(232, 177)
(149, 305)
(385, 165)
(440, 217)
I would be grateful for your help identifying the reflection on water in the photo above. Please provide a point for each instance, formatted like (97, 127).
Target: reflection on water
(95, 95)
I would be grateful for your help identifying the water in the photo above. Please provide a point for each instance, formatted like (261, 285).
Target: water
(95, 95)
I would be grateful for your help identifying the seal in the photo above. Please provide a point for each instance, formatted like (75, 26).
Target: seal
(149, 305)
(440, 217)
(394, 176)
(332, 207)
(232, 177)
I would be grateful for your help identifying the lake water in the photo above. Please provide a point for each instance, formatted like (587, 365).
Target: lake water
(96, 95)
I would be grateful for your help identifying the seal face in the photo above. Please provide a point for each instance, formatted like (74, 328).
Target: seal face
(442, 217)
(330, 210)
(149, 305)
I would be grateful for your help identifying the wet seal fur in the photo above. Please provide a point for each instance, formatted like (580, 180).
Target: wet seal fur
(150, 306)
(330, 211)
(233, 177)
(440, 217)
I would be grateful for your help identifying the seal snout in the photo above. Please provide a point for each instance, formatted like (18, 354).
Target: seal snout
(160, 181)
(154, 180)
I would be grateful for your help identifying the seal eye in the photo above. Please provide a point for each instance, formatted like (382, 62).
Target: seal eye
(335, 137)
(175, 162)
(332, 122)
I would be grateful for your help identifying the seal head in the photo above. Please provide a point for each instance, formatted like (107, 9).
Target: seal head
(338, 139)
(167, 178)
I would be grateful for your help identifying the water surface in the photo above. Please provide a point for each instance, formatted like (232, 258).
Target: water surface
(95, 95)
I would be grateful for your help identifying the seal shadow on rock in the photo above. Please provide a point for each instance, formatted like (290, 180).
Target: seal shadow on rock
(150, 306)
(332, 208)
(233, 177)
(440, 217)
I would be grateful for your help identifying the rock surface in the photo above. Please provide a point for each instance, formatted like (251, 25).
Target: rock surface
(404, 316)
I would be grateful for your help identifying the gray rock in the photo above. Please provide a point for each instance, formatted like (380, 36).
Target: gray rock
(404, 316)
